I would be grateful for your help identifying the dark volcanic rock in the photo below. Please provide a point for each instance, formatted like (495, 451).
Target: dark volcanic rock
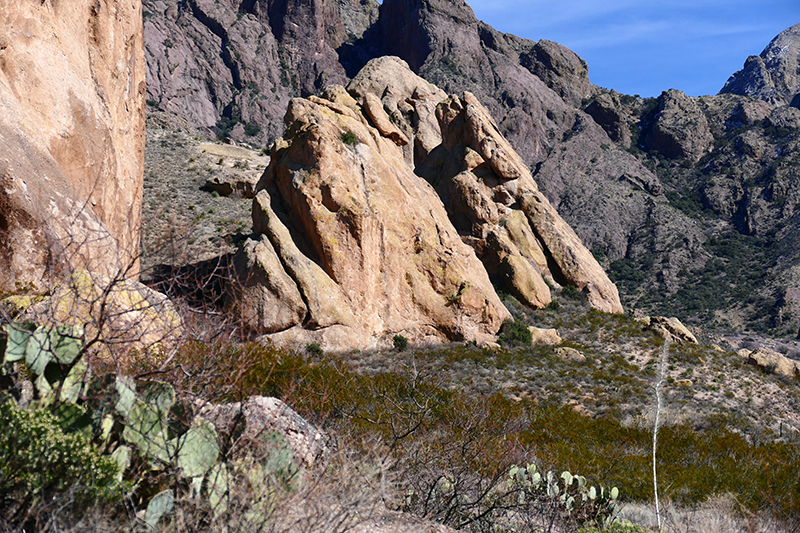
(774, 75)
(224, 64)
(680, 129)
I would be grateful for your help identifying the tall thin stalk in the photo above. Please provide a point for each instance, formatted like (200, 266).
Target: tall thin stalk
(661, 367)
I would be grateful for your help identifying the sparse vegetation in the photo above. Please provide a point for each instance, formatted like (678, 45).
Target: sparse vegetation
(400, 342)
(349, 138)
(435, 415)
(514, 332)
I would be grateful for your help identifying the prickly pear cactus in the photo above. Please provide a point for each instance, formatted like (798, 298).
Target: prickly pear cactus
(592, 505)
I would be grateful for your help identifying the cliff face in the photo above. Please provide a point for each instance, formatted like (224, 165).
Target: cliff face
(72, 85)
(232, 67)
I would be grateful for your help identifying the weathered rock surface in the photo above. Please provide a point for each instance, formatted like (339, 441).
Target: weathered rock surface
(250, 422)
(774, 75)
(365, 241)
(227, 185)
(773, 362)
(680, 128)
(635, 185)
(228, 65)
(547, 336)
(485, 185)
(134, 317)
(72, 129)
(570, 354)
(670, 328)
(408, 100)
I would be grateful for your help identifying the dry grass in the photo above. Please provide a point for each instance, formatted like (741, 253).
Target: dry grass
(718, 514)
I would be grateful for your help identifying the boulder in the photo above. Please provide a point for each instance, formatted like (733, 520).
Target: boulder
(268, 299)
(230, 184)
(670, 328)
(570, 354)
(116, 316)
(367, 243)
(72, 88)
(544, 336)
(247, 423)
(773, 362)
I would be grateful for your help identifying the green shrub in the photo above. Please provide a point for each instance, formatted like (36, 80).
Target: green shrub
(40, 460)
(315, 349)
(515, 333)
(571, 292)
(252, 129)
(349, 138)
(400, 342)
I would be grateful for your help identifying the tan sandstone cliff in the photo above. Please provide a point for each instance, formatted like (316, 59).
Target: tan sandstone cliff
(350, 246)
(72, 85)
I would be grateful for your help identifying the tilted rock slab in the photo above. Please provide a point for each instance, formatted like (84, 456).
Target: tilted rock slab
(72, 88)
(495, 203)
(366, 242)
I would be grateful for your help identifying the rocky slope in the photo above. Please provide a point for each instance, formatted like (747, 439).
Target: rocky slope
(771, 76)
(231, 67)
(72, 82)
(687, 201)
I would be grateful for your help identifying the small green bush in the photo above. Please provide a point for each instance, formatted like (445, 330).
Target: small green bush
(314, 349)
(40, 459)
(400, 342)
(571, 292)
(252, 129)
(349, 137)
(514, 333)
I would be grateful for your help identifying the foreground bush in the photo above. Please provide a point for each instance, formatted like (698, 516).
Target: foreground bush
(40, 460)
(427, 447)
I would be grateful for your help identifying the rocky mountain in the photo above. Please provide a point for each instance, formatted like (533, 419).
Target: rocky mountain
(771, 76)
(350, 247)
(72, 83)
(230, 67)
(688, 202)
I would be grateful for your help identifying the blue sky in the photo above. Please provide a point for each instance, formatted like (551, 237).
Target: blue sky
(645, 47)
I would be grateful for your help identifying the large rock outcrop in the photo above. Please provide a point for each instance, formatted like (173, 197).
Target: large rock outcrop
(679, 129)
(774, 75)
(351, 247)
(72, 86)
(494, 201)
(636, 186)
(355, 247)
